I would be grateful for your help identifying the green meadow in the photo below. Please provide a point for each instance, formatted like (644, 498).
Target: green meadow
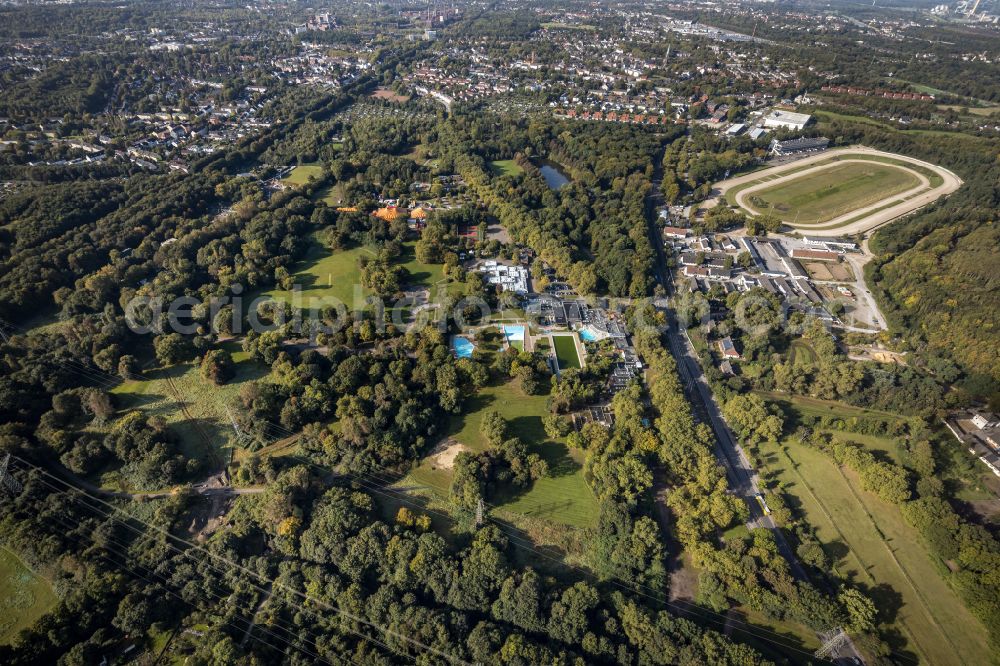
(506, 168)
(203, 429)
(24, 596)
(871, 544)
(300, 175)
(562, 497)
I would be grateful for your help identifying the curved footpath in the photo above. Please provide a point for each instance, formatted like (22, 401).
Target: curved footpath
(872, 216)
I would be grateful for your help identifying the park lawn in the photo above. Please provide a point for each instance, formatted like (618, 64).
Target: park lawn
(820, 197)
(566, 353)
(562, 497)
(329, 277)
(817, 407)
(420, 274)
(801, 353)
(300, 174)
(326, 277)
(775, 639)
(506, 168)
(331, 195)
(207, 439)
(24, 596)
(866, 537)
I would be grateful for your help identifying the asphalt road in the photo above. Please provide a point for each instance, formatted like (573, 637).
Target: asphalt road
(742, 476)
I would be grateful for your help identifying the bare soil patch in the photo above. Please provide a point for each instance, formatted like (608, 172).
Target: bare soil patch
(444, 454)
(390, 95)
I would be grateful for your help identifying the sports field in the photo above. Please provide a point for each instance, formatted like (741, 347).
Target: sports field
(869, 542)
(566, 353)
(562, 497)
(24, 596)
(839, 192)
(300, 174)
(831, 192)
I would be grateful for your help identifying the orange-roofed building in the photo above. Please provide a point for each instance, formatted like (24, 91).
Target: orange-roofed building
(387, 213)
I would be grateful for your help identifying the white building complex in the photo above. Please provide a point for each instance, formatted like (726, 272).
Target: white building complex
(787, 119)
(508, 278)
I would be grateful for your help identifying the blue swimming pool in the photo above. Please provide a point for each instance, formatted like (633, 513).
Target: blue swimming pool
(514, 333)
(587, 335)
(462, 346)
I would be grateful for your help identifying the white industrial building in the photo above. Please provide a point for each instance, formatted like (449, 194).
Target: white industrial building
(786, 119)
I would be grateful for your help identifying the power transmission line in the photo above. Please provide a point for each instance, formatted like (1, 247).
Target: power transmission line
(511, 533)
(126, 558)
(237, 566)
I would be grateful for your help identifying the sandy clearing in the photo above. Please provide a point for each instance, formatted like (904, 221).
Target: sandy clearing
(444, 454)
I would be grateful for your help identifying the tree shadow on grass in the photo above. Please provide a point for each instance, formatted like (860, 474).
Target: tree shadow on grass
(836, 550)
(529, 429)
(557, 455)
(133, 400)
(780, 645)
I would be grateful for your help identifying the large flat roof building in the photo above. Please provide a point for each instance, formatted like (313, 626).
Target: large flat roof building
(786, 119)
(794, 146)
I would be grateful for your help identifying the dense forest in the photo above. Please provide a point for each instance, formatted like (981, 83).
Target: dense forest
(303, 537)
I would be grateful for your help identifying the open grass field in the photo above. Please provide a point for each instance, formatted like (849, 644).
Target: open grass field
(801, 353)
(331, 195)
(870, 543)
(837, 190)
(972, 110)
(423, 275)
(24, 596)
(816, 407)
(566, 353)
(795, 636)
(562, 497)
(204, 431)
(325, 275)
(300, 174)
(506, 168)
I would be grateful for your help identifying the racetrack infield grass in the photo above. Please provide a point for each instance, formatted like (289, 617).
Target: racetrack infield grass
(836, 190)
(932, 176)
(865, 538)
(24, 596)
(561, 497)
(566, 353)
